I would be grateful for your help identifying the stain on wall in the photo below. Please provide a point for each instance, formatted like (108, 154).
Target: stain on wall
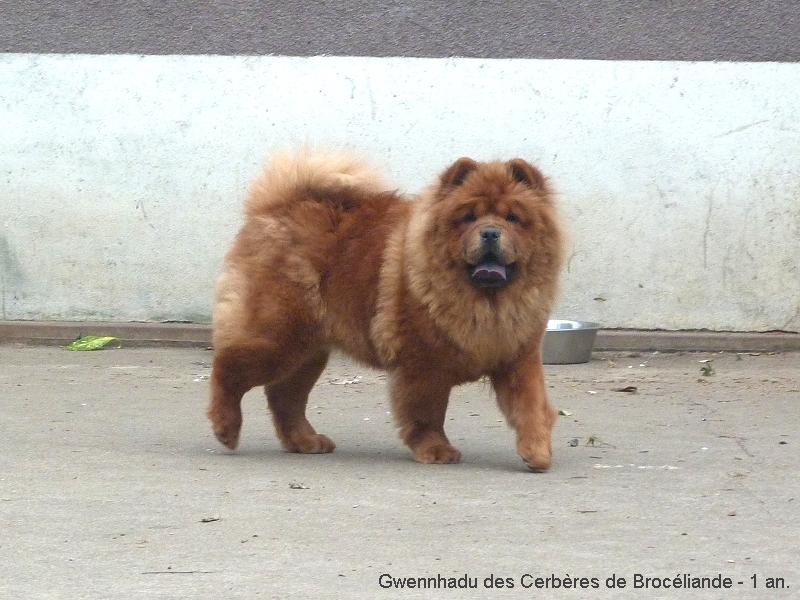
(10, 277)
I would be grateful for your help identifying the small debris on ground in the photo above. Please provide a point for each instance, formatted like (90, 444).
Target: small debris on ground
(707, 370)
(595, 441)
(91, 342)
(345, 380)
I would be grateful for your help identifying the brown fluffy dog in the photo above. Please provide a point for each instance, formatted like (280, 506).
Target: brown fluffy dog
(439, 291)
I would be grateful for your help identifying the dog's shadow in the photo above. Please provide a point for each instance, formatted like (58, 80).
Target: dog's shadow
(368, 458)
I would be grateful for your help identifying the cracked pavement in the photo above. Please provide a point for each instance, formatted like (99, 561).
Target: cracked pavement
(112, 485)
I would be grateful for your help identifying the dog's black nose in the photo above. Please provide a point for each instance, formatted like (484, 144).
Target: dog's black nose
(490, 234)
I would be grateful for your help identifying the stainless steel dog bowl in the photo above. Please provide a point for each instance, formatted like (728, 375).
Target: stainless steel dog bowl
(568, 342)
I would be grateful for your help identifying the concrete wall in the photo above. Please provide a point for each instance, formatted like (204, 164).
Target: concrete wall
(121, 177)
(729, 30)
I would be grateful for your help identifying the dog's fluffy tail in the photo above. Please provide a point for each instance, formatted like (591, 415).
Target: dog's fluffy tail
(323, 170)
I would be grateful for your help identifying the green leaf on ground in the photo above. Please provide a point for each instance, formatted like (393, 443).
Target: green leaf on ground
(707, 370)
(92, 342)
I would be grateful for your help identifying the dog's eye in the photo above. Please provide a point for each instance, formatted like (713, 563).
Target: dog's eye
(512, 218)
(469, 217)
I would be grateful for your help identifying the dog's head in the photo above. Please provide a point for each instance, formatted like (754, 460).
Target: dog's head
(500, 221)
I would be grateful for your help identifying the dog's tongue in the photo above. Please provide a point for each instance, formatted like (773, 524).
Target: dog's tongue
(490, 272)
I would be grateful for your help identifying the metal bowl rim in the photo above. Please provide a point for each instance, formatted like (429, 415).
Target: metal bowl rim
(577, 325)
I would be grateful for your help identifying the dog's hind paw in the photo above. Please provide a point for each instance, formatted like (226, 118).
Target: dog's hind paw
(438, 453)
(311, 444)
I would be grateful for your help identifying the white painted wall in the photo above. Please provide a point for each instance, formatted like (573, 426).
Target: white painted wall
(121, 177)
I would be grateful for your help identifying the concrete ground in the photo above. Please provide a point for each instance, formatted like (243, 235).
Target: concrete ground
(112, 486)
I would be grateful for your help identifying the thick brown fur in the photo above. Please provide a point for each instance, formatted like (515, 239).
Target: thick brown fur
(329, 258)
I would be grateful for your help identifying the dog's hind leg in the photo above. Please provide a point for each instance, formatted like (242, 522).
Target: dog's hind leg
(287, 399)
(260, 339)
(234, 371)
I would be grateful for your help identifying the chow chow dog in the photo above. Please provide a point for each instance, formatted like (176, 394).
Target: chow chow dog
(439, 290)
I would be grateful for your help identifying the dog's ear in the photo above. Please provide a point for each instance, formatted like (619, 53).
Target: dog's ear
(458, 171)
(525, 173)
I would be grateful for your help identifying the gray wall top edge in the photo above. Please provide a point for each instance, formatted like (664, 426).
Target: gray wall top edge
(387, 57)
(698, 58)
(683, 30)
